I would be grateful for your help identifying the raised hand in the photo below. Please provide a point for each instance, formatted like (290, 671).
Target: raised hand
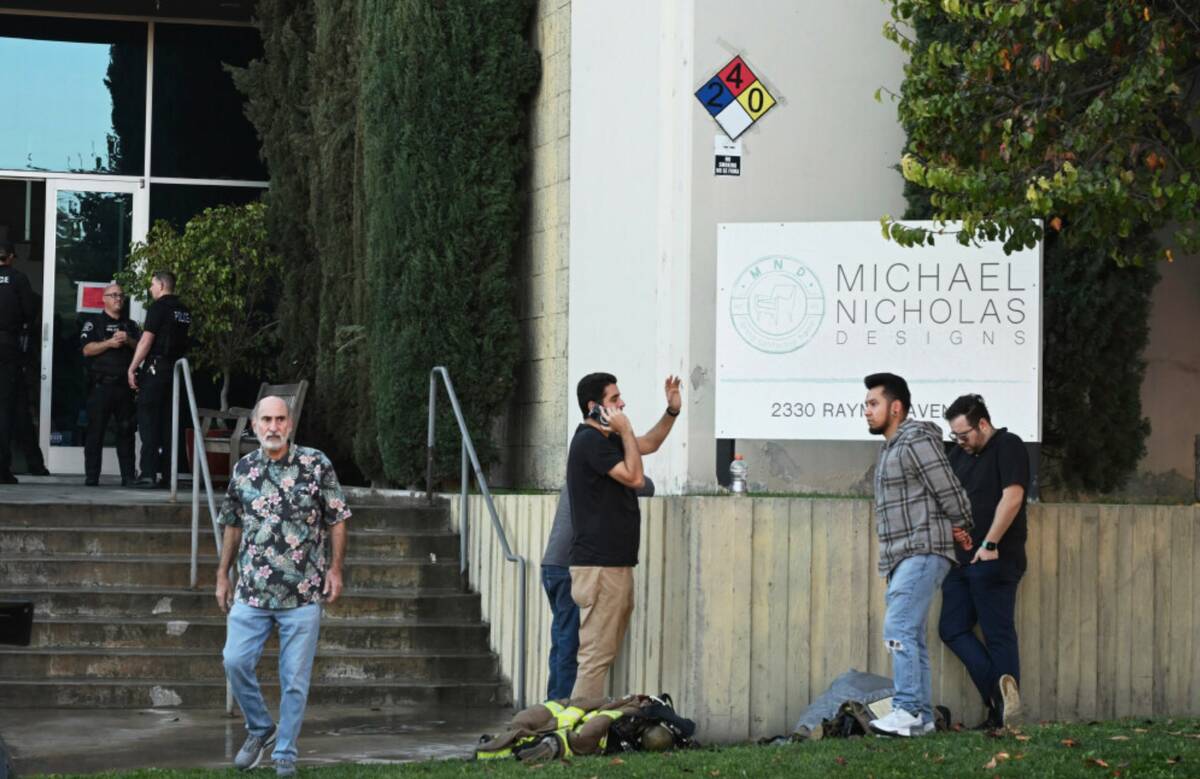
(674, 397)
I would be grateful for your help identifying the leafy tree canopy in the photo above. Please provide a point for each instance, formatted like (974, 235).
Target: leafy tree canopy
(226, 274)
(1078, 117)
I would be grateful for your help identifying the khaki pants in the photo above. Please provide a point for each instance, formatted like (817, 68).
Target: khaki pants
(605, 599)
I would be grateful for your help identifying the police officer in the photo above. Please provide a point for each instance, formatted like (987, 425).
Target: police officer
(108, 340)
(16, 313)
(164, 340)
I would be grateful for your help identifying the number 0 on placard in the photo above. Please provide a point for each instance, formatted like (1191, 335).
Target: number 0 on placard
(756, 100)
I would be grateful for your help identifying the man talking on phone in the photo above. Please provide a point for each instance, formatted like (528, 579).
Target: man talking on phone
(604, 472)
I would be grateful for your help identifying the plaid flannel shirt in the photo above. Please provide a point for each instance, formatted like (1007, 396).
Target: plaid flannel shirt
(918, 499)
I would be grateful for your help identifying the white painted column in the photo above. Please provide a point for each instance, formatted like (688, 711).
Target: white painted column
(630, 276)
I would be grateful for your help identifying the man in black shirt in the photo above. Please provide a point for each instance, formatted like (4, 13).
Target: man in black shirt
(16, 313)
(164, 340)
(993, 466)
(108, 340)
(604, 471)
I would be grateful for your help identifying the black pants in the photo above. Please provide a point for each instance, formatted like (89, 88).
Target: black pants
(10, 372)
(24, 433)
(154, 422)
(983, 593)
(109, 399)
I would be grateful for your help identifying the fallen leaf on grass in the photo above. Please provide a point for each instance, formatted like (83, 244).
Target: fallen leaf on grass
(714, 773)
(616, 761)
(1096, 762)
(1140, 730)
(1021, 737)
(1069, 742)
(840, 760)
(1119, 738)
(1174, 760)
(998, 758)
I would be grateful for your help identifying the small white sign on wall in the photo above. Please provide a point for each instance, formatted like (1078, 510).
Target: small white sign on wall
(806, 310)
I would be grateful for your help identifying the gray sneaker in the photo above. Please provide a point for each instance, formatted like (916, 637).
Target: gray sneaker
(253, 751)
(285, 768)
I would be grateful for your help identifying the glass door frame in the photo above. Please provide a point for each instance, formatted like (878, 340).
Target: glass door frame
(68, 460)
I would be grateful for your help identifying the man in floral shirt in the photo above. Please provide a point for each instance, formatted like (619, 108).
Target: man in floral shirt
(282, 504)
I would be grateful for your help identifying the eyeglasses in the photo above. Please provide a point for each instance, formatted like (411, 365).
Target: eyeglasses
(117, 295)
(960, 437)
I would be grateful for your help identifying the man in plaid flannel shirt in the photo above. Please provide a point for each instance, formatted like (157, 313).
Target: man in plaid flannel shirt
(921, 510)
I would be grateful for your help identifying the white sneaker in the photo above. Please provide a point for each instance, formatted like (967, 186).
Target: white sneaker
(901, 723)
(1010, 697)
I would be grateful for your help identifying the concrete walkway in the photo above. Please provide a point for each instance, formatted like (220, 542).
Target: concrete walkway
(75, 741)
(70, 489)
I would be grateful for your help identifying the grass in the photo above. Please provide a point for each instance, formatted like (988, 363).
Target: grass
(1128, 748)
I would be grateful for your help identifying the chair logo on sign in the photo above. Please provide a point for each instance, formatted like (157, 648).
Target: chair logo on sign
(777, 304)
(735, 97)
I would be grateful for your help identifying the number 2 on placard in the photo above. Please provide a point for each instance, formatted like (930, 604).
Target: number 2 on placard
(718, 90)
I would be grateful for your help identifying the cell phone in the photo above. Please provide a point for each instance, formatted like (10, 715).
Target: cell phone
(595, 414)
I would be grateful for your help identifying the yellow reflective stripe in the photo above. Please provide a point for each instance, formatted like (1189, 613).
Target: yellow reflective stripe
(566, 746)
(564, 717)
(611, 714)
(493, 755)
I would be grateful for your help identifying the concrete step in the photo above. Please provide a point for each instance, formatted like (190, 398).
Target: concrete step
(65, 601)
(50, 540)
(415, 517)
(208, 633)
(152, 693)
(175, 571)
(205, 665)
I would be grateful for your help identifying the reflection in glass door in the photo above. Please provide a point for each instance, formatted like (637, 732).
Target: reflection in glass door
(89, 228)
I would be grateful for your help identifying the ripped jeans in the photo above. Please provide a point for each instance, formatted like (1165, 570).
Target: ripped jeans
(911, 586)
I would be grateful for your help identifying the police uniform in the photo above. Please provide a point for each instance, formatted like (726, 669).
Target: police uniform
(109, 395)
(16, 311)
(169, 320)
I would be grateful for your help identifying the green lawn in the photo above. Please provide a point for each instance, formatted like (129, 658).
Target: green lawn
(1130, 748)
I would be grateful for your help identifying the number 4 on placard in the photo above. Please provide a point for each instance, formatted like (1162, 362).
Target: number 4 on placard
(737, 76)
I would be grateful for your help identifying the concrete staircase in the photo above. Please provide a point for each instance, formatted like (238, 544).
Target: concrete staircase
(116, 624)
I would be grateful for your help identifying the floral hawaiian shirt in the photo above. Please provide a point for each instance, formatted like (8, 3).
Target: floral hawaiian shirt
(284, 509)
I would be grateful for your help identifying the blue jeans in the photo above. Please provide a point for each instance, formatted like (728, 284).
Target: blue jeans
(564, 631)
(911, 586)
(983, 593)
(246, 632)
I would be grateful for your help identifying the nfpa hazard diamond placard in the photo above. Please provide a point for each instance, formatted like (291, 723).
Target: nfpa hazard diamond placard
(735, 98)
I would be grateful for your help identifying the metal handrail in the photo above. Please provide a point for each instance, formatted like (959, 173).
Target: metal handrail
(468, 453)
(199, 463)
(199, 467)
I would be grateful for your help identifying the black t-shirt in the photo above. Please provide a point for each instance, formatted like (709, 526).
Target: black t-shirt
(1002, 463)
(605, 517)
(16, 310)
(101, 327)
(169, 321)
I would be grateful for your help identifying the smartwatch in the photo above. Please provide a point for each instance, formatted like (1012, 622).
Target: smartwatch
(991, 546)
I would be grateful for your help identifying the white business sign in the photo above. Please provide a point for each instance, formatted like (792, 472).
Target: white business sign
(806, 310)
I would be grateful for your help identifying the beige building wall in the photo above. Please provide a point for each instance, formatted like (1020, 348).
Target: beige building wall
(534, 448)
(647, 206)
(1172, 379)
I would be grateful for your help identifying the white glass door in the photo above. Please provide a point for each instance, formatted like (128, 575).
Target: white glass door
(90, 225)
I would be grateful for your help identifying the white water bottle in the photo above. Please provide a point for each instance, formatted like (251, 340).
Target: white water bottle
(737, 475)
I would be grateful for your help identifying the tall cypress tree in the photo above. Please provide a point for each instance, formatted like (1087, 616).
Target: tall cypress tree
(442, 100)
